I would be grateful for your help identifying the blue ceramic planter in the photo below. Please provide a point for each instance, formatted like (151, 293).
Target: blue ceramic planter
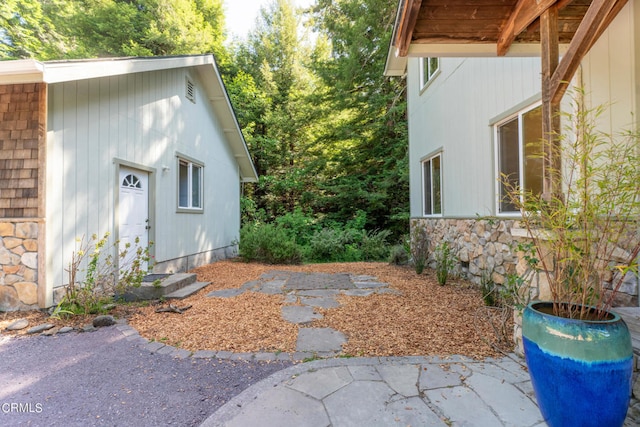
(580, 370)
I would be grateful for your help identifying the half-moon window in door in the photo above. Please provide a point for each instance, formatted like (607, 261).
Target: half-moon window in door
(131, 181)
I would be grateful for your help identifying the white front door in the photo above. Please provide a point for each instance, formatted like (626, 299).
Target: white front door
(133, 212)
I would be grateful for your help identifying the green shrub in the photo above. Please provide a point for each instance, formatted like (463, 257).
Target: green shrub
(445, 262)
(298, 225)
(419, 244)
(348, 245)
(374, 245)
(95, 275)
(327, 245)
(268, 243)
(398, 255)
(490, 291)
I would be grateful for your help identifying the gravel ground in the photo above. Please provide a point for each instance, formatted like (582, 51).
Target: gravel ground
(101, 378)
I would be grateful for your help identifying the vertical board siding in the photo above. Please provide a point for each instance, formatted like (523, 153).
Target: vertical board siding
(145, 119)
(456, 110)
(608, 72)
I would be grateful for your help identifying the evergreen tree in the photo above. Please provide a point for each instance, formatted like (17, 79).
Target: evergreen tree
(368, 166)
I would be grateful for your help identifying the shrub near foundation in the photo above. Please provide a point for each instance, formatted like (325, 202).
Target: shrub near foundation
(268, 243)
(95, 275)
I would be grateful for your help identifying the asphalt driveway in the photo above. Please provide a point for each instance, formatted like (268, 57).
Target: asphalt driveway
(106, 378)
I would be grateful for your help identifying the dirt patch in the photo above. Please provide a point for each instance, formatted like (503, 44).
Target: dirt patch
(425, 319)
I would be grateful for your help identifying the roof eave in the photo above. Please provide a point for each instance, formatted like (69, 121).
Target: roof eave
(396, 65)
(31, 71)
(21, 71)
(221, 103)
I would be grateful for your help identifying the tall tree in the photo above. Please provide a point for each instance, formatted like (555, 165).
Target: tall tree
(368, 167)
(276, 78)
(58, 29)
(151, 27)
(35, 29)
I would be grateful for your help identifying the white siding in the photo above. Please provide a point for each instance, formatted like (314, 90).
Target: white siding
(609, 73)
(455, 112)
(144, 119)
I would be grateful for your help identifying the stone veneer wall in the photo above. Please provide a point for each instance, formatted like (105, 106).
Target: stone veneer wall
(22, 175)
(19, 265)
(484, 247)
(487, 248)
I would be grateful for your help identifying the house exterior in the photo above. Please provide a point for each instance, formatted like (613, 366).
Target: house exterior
(145, 148)
(471, 115)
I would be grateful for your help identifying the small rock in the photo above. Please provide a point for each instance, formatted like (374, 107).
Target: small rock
(108, 307)
(65, 329)
(40, 328)
(88, 328)
(50, 332)
(105, 320)
(18, 324)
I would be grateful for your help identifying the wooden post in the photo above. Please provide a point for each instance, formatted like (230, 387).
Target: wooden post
(552, 185)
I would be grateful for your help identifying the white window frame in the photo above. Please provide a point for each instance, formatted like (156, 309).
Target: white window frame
(423, 166)
(431, 71)
(521, 155)
(191, 165)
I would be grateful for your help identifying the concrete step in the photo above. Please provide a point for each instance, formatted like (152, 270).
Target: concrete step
(186, 291)
(155, 290)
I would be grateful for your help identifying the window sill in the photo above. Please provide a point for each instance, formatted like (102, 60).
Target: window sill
(190, 211)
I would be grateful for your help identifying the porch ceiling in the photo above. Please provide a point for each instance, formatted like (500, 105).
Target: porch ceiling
(467, 28)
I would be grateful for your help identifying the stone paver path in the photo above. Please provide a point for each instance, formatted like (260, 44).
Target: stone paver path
(382, 392)
(304, 292)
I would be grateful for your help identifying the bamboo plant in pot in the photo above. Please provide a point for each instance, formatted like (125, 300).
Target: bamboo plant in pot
(587, 242)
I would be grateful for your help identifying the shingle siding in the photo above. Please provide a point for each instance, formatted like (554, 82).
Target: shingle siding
(22, 127)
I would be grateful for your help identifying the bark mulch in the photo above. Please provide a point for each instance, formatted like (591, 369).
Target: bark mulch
(424, 319)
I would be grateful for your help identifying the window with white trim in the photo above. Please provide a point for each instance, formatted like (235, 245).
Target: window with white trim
(190, 185)
(519, 156)
(432, 185)
(428, 69)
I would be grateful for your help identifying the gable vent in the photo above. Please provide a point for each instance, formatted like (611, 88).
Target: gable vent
(191, 91)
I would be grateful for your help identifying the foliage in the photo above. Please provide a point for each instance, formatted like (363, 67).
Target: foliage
(489, 290)
(590, 231)
(348, 245)
(374, 245)
(322, 144)
(299, 225)
(60, 29)
(445, 262)
(296, 236)
(399, 255)
(329, 244)
(419, 246)
(326, 129)
(365, 140)
(34, 29)
(268, 243)
(95, 275)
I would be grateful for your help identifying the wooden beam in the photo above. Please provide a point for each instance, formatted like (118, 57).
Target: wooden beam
(407, 25)
(584, 38)
(524, 13)
(607, 21)
(549, 43)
